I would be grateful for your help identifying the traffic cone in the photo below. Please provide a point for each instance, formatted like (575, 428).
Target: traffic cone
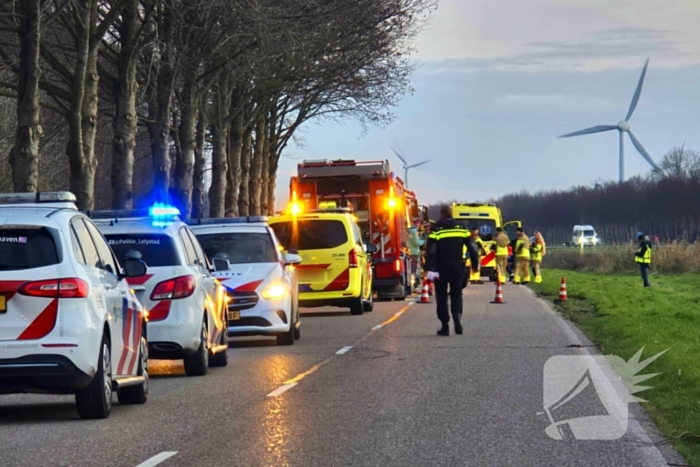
(499, 293)
(562, 290)
(424, 297)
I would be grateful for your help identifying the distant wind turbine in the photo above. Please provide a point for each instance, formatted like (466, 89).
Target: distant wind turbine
(623, 127)
(406, 166)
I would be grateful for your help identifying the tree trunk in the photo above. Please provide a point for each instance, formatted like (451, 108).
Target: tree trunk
(243, 199)
(272, 171)
(234, 164)
(184, 163)
(255, 182)
(24, 155)
(265, 175)
(219, 169)
(125, 122)
(79, 184)
(198, 176)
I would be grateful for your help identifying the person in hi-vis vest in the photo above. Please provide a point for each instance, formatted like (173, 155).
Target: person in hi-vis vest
(538, 249)
(501, 248)
(522, 258)
(643, 258)
(475, 277)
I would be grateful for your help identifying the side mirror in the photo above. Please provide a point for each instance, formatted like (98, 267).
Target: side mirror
(221, 264)
(134, 268)
(291, 258)
(371, 248)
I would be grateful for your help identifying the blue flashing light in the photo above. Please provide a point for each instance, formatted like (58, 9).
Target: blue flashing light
(163, 210)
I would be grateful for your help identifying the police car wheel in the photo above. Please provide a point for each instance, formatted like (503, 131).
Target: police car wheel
(198, 363)
(297, 329)
(95, 400)
(220, 359)
(286, 338)
(132, 395)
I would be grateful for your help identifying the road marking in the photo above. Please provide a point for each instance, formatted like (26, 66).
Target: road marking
(343, 350)
(155, 460)
(378, 326)
(281, 390)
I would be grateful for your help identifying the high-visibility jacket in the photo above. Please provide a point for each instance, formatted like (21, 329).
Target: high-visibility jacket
(643, 256)
(502, 242)
(445, 246)
(537, 252)
(522, 247)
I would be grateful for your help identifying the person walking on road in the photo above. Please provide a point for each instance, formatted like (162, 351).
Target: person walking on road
(538, 249)
(501, 248)
(445, 266)
(475, 277)
(643, 258)
(414, 249)
(522, 258)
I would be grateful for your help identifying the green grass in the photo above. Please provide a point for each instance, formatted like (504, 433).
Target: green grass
(621, 317)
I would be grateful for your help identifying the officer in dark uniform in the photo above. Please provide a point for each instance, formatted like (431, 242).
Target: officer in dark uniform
(445, 263)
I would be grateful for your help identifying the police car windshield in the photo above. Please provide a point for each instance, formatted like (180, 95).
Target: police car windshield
(487, 227)
(156, 249)
(239, 247)
(26, 249)
(311, 234)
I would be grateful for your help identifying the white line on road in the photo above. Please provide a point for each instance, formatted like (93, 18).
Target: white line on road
(155, 460)
(378, 326)
(281, 390)
(343, 350)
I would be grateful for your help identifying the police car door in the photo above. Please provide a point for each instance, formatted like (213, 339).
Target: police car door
(104, 289)
(209, 282)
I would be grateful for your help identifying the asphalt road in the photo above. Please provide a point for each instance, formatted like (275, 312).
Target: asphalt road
(374, 390)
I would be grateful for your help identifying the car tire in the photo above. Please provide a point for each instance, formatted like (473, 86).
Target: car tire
(297, 333)
(220, 359)
(297, 329)
(198, 363)
(357, 307)
(95, 400)
(368, 305)
(286, 338)
(134, 395)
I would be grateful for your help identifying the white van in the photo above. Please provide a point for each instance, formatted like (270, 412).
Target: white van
(586, 235)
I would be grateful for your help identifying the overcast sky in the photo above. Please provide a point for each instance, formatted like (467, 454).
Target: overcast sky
(500, 79)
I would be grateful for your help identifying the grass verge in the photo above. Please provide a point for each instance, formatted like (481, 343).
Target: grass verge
(621, 316)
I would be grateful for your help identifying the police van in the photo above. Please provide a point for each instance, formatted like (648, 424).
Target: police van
(69, 323)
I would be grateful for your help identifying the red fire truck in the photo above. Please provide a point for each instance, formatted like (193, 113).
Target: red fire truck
(383, 207)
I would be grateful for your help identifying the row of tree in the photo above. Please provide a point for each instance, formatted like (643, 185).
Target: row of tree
(146, 96)
(664, 203)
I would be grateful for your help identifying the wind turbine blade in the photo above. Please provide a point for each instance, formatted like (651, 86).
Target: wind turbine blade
(590, 131)
(642, 151)
(419, 164)
(638, 92)
(399, 156)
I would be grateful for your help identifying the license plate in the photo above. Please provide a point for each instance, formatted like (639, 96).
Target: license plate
(234, 315)
(3, 304)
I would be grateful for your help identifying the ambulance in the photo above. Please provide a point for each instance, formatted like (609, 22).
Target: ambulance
(487, 218)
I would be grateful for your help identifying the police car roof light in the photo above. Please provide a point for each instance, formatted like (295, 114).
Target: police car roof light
(228, 220)
(163, 210)
(38, 197)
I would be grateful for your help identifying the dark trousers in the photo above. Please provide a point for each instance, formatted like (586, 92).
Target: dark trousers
(450, 282)
(644, 271)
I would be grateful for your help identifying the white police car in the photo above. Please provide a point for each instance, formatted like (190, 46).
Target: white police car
(259, 278)
(68, 321)
(186, 304)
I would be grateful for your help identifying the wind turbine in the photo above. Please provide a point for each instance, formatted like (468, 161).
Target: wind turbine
(406, 166)
(623, 127)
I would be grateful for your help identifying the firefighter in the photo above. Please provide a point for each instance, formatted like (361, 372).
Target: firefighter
(643, 257)
(445, 264)
(522, 258)
(538, 249)
(475, 277)
(501, 248)
(415, 243)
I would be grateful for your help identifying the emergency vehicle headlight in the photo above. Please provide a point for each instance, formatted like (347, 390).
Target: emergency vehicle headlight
(274, 291)
(295, 209)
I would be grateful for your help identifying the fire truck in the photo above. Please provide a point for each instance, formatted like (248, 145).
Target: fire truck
(384, 210)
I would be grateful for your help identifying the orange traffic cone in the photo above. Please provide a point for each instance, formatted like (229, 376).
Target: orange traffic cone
(499, 293)
(562, 290)
(424, 297)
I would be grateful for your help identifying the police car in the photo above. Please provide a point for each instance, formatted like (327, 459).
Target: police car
(259, 278)
(68, 321)
(186, 304)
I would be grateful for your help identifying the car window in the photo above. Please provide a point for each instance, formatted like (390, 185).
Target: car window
(190, 255)
(201, 257)
(27, 248)
(103, 250)
(77, 251)
(156, 250)
(356, 232)
(311, 234)
(92, 259)
(240, 247)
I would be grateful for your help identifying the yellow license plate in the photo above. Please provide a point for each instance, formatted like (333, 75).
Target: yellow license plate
(234, 315)
(3, 304)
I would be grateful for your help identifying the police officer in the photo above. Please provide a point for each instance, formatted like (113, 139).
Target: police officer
(446, 267)
(643, 257)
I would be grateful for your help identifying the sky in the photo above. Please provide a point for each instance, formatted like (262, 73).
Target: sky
(498, 80)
